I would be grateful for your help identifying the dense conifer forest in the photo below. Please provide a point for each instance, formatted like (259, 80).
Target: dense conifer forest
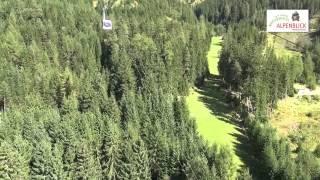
(251, 68)
(262, 79)
(81, 103)
(78, 102)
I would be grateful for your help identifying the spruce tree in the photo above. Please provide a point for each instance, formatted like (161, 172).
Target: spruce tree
(308, 73)
(111, 152)
(12, 164)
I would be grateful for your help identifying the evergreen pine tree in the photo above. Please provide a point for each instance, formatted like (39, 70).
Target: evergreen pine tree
(12, 164)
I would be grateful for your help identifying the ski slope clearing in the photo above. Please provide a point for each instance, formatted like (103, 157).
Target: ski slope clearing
(211, 113)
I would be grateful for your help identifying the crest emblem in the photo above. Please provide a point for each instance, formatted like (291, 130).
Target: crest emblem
(295, 16)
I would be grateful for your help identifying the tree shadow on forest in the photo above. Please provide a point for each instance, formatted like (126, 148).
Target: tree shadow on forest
(212, 95)
(245, 150)
(218, 44)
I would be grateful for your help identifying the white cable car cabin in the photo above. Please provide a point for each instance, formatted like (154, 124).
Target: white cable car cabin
(106, 23)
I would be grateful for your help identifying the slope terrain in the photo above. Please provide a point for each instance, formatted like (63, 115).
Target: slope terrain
(210, 111)
(296, 117)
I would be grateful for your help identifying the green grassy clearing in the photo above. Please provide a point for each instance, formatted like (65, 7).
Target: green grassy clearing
(295, 116)
(210, 111)
(279, 44)
(212, 125)
(213, 54)
(299, 116)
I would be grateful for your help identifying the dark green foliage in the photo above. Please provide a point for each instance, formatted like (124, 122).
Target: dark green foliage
(309, 164)
(141, 161)
(229, 12)
(315, 51)
(308, 73)
(244, 174)
(253, 70)
(275, 153)
(82, 103)
(110, 152)
(84, 163)
(317, 151)
(223, 163)
(12, 164)
(233, 11)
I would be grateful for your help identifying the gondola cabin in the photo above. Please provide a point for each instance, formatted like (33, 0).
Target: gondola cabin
(106, 24)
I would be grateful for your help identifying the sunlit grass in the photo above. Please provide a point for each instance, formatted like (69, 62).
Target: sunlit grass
(210, 125)
(208, 108)
(279, 46)
(293, 113)
(213, 54)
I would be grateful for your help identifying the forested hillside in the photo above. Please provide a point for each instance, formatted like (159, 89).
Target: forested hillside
(262, 79)
(81, 103)
(78, 102)
(257, 79)
(231, 11)
(228, 12)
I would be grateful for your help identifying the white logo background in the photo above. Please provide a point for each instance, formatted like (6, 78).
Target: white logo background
(281, 21)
